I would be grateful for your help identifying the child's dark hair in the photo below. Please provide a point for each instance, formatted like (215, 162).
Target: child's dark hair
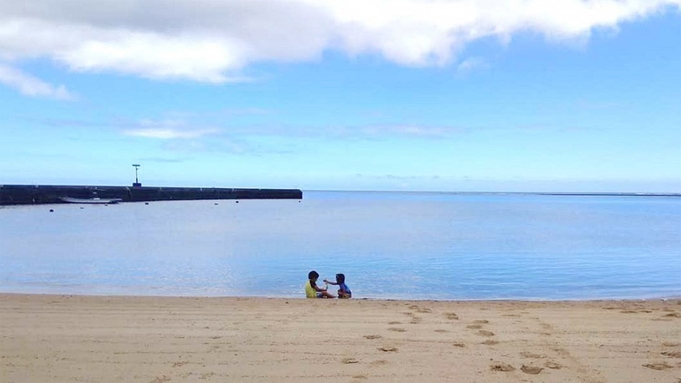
(312, 275)
(340, 278)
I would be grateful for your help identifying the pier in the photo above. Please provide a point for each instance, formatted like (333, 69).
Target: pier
(53, 194)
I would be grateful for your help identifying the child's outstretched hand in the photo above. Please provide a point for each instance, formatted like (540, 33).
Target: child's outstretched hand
(326, 281)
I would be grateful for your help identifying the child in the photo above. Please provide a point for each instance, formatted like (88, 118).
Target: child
(344, 290)
(311, 289)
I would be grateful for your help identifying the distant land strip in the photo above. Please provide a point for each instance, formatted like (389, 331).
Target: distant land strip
(615, 194)
(491, 193)
(52, 194)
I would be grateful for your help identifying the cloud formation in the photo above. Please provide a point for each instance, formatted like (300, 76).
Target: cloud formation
(31, 86)
(214, 40)
(168, 130)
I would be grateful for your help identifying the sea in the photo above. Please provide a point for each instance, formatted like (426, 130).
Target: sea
(389, 245)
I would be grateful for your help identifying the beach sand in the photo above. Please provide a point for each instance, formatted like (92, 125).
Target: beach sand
(54, 338)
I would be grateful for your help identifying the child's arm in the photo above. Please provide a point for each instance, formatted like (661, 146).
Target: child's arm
(331, 283)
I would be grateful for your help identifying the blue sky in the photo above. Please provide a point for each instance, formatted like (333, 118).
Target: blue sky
(465, 95)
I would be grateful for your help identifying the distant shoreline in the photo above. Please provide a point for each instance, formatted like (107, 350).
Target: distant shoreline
(614, 194)
(577, 194)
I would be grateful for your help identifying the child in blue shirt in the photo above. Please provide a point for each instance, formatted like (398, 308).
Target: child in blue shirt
(343, 289)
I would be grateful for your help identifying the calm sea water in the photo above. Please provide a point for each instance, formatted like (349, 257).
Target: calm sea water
(389, 245)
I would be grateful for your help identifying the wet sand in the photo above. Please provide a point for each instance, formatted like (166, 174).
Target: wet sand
(53, 338)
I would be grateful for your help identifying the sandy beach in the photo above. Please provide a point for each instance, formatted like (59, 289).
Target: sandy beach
(54, 338)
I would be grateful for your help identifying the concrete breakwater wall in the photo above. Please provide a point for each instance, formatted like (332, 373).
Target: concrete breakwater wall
(47, 194)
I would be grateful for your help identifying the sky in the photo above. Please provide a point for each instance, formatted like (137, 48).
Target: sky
(396, 95)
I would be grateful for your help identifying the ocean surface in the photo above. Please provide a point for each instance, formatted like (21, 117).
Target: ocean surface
(443, 246)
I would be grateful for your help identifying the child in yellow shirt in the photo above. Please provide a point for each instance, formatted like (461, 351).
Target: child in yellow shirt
(311, 288)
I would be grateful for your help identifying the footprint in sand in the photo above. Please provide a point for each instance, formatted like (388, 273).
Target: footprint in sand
(394, 322)
(553, 365)
(658, 366)
(672, 354)
(459, 344)
(396, 329)
(532, 370)
(490, 342)
(485, 333)
(373, 336)
(387, 349)
(481, 321)
(531, 355)
(451, 316)
(503, 367)
(420, 309)
(474, 326)
(349, 361)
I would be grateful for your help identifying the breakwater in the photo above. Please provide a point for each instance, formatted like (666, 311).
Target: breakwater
(49, 194)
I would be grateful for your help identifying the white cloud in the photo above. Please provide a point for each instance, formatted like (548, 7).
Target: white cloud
(32, 86)
(214, 40)
(166, 134)
(404, 131)
(168, 130)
